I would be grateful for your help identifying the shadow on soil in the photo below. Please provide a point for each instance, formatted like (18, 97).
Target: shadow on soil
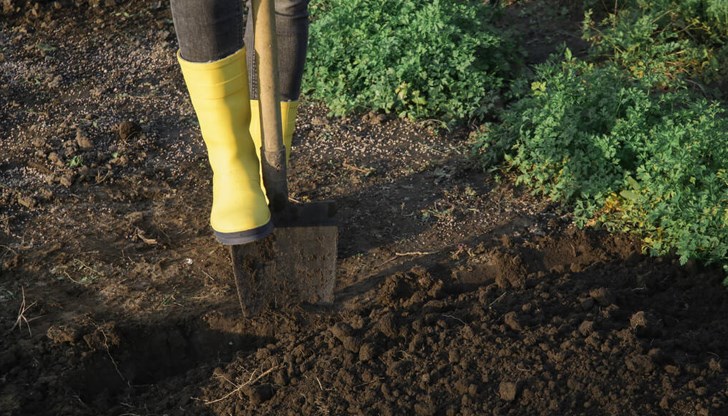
(127, 360)
(416, 203)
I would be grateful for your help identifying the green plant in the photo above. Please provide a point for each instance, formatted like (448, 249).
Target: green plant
(416, 58)
(623, 155)
(717, 11)
(75, 161)
(663, 41)
(679, 194)
(710, 16)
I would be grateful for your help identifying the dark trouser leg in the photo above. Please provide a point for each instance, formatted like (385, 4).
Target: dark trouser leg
(292, 37)
(208, 30)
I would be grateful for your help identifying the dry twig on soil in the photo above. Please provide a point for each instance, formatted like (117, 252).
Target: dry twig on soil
(108, 352)
(21, 314)
(497, 299)
(455, 318)
(415, 253)
(407, 254)
(8, 249)
(239, 387)
(365, 171)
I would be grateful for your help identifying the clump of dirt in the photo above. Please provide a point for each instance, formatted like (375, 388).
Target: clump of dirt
(457, 292)
(608, 338)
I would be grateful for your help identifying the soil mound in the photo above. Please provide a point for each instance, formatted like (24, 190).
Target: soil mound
(566, 324)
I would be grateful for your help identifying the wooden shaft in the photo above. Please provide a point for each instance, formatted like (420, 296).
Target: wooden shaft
(273, 152)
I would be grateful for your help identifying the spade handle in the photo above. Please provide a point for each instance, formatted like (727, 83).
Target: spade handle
(273, 152)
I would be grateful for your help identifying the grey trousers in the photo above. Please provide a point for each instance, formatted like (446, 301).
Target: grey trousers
(209, 30)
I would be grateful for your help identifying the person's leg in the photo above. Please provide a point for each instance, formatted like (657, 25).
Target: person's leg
(292, 38)
(212, 59)
(208, 30)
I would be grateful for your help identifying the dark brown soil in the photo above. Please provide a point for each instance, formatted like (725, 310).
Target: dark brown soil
(457, 293)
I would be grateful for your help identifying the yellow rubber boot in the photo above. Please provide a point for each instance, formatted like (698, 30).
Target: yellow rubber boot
(289, 110)
(219, 94)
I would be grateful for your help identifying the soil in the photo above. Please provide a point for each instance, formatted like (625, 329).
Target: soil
(457, 292)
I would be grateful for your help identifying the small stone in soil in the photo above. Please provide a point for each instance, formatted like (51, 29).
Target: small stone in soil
(665, 402)
(280, 378)
(644, 324)
(66, 180)
(366, 352)
(602, 296)
(508, 390)
(260, 394)
(511, 319)
(343, 332)
(53, 157)
(82, 140)
(586, 328)
(638, 319)
(128, 129)
(26, 201)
